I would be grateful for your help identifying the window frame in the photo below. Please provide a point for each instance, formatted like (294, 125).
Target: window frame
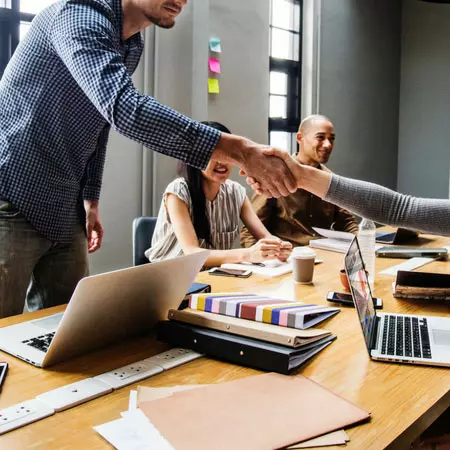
(10, 19)
(294, 81)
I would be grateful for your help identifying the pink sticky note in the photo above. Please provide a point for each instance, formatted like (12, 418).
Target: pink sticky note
(214, 65)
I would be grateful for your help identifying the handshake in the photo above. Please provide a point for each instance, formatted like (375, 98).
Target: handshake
(272, 172)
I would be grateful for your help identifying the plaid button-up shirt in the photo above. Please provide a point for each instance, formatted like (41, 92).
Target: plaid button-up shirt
(67, 84)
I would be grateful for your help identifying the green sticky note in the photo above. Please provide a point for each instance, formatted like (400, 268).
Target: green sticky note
(213, 86)
(214, 45)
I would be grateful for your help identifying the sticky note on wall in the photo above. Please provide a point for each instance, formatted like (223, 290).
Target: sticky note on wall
(213, 86)
(214, 65)
(214, 45)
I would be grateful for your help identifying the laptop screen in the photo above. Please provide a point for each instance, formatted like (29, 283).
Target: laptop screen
(359, 284)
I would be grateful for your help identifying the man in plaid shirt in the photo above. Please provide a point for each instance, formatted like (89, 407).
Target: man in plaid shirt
(68, 83)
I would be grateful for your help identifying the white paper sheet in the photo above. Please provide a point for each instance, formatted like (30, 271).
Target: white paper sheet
(132, 402)
(133, 432)
(410, 264)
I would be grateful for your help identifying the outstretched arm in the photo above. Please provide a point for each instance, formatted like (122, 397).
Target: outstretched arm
(386, 206)
(91, 51)
(371, 200)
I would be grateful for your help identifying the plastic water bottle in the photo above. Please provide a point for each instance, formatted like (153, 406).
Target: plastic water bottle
(366, 239)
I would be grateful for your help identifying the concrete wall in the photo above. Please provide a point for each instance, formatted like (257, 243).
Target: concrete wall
(358, 85)
(424, 149)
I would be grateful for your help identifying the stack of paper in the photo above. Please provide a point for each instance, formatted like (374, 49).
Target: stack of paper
(268, 408)
(264, 309)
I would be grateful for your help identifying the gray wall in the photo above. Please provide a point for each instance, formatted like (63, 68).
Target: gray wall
(243, 104)
(174, 69)
(173, 87)
(120, 200)
(424, 153)
(359, 72)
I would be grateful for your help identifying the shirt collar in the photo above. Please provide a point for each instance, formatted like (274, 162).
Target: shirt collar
(320, 167)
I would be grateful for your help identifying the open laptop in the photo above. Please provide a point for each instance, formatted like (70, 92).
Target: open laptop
(104, 309)
(400, 236)
(400, 338)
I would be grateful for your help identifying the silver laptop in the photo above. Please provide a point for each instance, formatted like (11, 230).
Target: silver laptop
(402, 338)
(105, 309)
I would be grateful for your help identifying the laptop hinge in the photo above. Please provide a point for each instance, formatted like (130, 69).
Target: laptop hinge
(374, 334)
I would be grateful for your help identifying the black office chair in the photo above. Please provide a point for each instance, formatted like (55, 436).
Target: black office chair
(143, 228)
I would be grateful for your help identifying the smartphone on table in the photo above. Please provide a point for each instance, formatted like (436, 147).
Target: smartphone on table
(347, 299)
(240, 273)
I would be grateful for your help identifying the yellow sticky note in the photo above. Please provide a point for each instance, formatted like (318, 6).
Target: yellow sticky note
(213, 86)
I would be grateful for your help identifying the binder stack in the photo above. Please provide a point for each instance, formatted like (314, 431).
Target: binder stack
(254, 344)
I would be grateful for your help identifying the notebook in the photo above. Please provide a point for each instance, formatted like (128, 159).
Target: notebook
(336, 241)
(422, 285)
(261, 412)
(263, 309)
(289, 337)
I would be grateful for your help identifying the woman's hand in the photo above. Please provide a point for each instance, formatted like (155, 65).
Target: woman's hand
(268, 248)
(285, 251)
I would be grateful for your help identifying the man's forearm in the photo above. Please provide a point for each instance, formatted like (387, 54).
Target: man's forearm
(231, 149)
(313, 180)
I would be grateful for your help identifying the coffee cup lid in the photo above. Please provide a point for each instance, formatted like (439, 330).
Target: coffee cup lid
(303, 252)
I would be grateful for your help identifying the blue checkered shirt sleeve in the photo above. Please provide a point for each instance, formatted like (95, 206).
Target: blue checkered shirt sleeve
(84, 36)
(95, 167)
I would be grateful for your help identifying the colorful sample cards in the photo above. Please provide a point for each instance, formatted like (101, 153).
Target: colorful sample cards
(286, 313)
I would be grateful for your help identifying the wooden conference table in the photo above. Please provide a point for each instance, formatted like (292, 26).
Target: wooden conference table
(404, 400)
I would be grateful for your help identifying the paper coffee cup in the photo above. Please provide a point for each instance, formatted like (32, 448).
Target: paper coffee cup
(303, 259)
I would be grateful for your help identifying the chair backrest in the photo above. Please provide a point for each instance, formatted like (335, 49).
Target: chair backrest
(143, 228)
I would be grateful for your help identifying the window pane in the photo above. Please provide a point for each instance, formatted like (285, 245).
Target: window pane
(284, 141)
(281, 140)
(278, 107)
(34, 6)
(297, 17)
(284, 45)
(24, 27)
(5, 4)
(278, 83)
(284, 14)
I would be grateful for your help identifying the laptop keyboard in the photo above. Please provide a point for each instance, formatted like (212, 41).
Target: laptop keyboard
(406, 336)
(41, 342)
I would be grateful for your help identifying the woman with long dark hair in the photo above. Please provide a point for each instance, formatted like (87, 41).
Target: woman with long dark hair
(202, 209)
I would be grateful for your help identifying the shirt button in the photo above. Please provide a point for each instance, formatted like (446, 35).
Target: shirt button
(310, 215)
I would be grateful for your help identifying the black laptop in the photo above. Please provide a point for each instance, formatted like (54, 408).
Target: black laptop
(400, 236)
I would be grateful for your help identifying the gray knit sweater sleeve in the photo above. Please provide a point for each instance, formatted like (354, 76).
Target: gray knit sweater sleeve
(389, 207)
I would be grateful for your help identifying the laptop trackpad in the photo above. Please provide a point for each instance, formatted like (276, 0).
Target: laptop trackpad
(441, 337)
(49, 323)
